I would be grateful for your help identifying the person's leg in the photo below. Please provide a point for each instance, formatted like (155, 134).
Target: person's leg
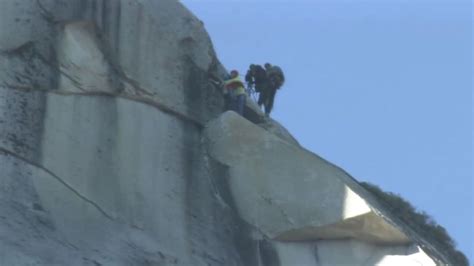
(232, 102)
(271, 98)
(265, 105)
(260, 99)
(241, 99)
(258, 87)
(261, 96)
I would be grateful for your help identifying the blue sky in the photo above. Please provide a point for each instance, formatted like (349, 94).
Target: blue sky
(381, 88)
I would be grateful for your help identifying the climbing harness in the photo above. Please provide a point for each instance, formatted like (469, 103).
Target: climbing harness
(251, 92)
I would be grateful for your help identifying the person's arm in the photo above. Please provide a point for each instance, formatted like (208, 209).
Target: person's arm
(248, 77)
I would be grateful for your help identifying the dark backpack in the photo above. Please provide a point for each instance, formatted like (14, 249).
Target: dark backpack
(275, 74)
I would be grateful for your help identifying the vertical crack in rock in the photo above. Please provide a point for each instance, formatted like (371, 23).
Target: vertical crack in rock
(268, 253)
(246, 239)
(47, 15)
(316, 254)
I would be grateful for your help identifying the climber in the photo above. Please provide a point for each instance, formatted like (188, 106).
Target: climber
(275, 75)
(235, 91)
(257, 77)
(275, 81)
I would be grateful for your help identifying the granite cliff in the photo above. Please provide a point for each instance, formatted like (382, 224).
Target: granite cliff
(115, 150)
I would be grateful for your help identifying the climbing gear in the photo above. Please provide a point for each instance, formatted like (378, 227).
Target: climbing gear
(275, 81)
(251, 92)
(275, 76)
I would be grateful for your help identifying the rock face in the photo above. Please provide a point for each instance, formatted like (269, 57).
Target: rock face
(114, 151)
(291, 194)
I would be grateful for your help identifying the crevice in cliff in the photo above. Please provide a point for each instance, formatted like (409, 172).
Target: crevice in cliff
(316, 254)
(60, 180)
(253, 247)
(282, 211)
(47, 15)
(147, 101)
(18, 50)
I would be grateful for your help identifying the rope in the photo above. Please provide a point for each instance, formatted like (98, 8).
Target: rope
(251, 92)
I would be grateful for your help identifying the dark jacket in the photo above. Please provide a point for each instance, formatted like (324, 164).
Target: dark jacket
(256, 76)
(275, 74)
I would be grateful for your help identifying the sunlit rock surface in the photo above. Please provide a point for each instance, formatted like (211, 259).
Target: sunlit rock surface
(114, 151)
(289, 194)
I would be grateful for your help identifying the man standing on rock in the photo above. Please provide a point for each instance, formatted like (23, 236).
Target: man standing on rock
(275, 81)
(257, 77)
(235, 90)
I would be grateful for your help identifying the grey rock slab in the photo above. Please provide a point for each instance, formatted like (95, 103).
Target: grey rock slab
(21, 121)
(102, 102)
(276, 128)
(288, 192)
(135, 165)
(127, 157)
(103, 160)
(156, 50)
(20, 22)
(350, 253)
(27, 232)
(82, 64)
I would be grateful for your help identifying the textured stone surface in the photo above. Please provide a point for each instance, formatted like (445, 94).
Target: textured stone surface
(350, 253)
(137, 184)
(101, 105)
(289, 193)
(103, 158)
(278, 130)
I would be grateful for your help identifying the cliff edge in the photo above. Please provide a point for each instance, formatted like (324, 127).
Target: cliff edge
(115, 150)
